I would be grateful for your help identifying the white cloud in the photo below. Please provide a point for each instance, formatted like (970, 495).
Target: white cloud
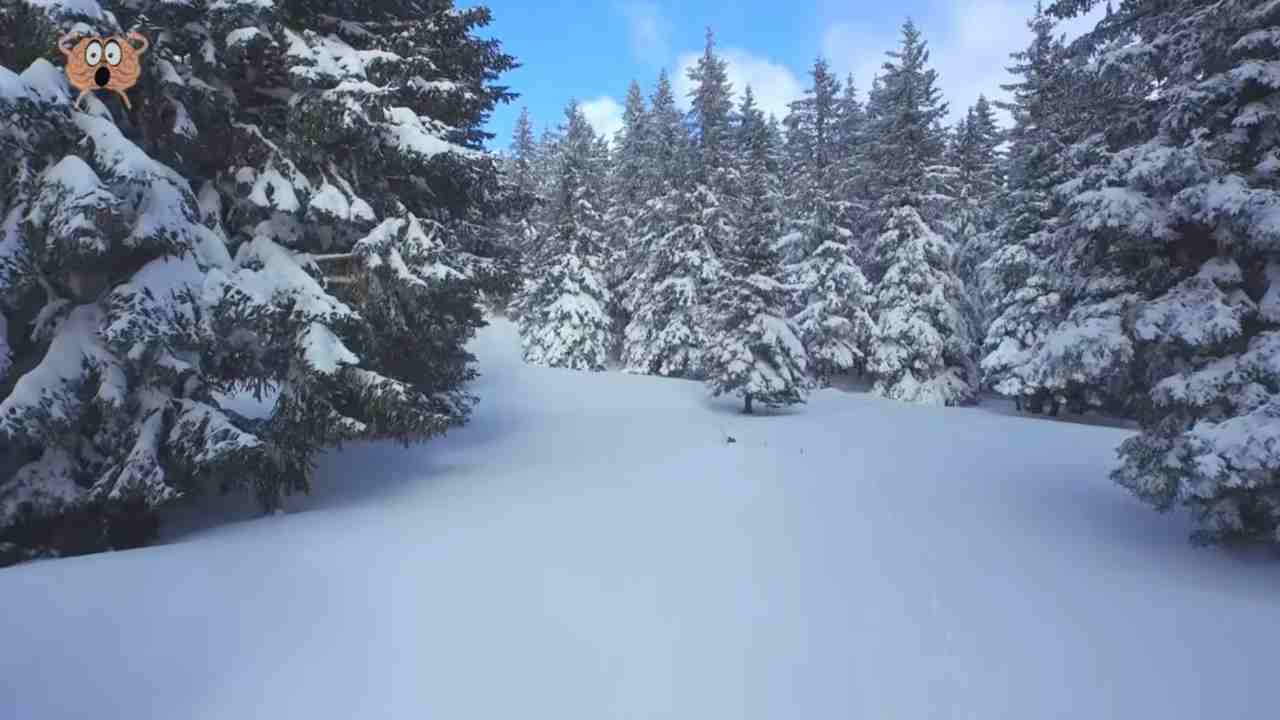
(852, 48)
(774, 85)
(969, 44)
(605, 115)
(649, 31)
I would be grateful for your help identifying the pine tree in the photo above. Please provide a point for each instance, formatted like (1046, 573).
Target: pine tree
(1107, 239)
(1016, 282)
(715, 175)
(979, 183)
(755, 353)
(629, 189)
(850, 161)
(907, 139)
(923, 344)
(831, 301)
(521, 174)
(1183, 197)
(565, 320)
(523, 148)
(681, 227)
(223, 236)
(812, 152)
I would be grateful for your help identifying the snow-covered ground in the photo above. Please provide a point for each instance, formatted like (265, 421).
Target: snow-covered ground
(590, 547)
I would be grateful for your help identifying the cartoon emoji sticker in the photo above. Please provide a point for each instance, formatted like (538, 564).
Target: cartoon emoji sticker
(94, 63)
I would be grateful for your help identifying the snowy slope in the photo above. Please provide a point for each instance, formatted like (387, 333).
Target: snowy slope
(590, 547)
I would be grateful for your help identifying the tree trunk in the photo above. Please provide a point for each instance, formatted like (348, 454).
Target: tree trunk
(1054, 406)
(1035, 403)
(747, 407)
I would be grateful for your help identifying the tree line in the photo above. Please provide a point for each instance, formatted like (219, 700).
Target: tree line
(1113, 249)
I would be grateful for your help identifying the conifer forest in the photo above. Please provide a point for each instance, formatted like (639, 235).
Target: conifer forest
(876, 403)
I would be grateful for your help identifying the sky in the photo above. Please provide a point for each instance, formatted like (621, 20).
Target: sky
(591, 50)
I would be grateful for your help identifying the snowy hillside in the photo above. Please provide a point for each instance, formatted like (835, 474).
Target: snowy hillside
(591, 547)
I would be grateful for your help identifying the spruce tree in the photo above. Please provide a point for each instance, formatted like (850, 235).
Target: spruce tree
(629, 187)
(1183, 197)
(907, 140)
(1017, 283)
(564, 319)
(812, 153)
(754, 351)
(1108, 236)
(521, 175)
(979, 185)
(680, 229)
(850, 157)
(831, 300)
(224, 235)
(715, 175)
(923, 344)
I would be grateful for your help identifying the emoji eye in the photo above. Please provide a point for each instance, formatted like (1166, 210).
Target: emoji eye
(113, 53)
(93, 53)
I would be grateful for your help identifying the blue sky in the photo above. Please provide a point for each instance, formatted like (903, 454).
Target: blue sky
(591, 50)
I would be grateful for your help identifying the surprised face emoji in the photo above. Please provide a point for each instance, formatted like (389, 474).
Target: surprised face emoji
(94, 63)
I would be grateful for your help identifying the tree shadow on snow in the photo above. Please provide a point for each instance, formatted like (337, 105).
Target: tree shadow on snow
(1082, 515)
(732, 407)
(358, 473)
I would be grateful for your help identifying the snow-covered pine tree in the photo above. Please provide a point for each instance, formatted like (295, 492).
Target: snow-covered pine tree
(979, 185)
(667, 332)
(851, 173)
(811, 151)
(629, 194)
(715, 174)
(922, 347)
(666, 147)
(796, 155)
(155, 261)
(923, 344)
(1191, 207)
(1106, 235)
(906, 139)
(520, 171)
(754, 351)
(1016, 283)
(831, 299)
(565, 320)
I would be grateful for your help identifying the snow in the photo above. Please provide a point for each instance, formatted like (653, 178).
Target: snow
(330, 200)
(245, 35)
(70, 194)
(362, 211)
(268, 272)
(409, 133)
(1195, 311)
(242, 4)
(249, 404)
(182, 122)
(76, 341)
(324, 351)
(87, 8)
(46, 80)
(48, 480)
(589, 546)
(327, 58)
(40, 81)
(273, 190)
